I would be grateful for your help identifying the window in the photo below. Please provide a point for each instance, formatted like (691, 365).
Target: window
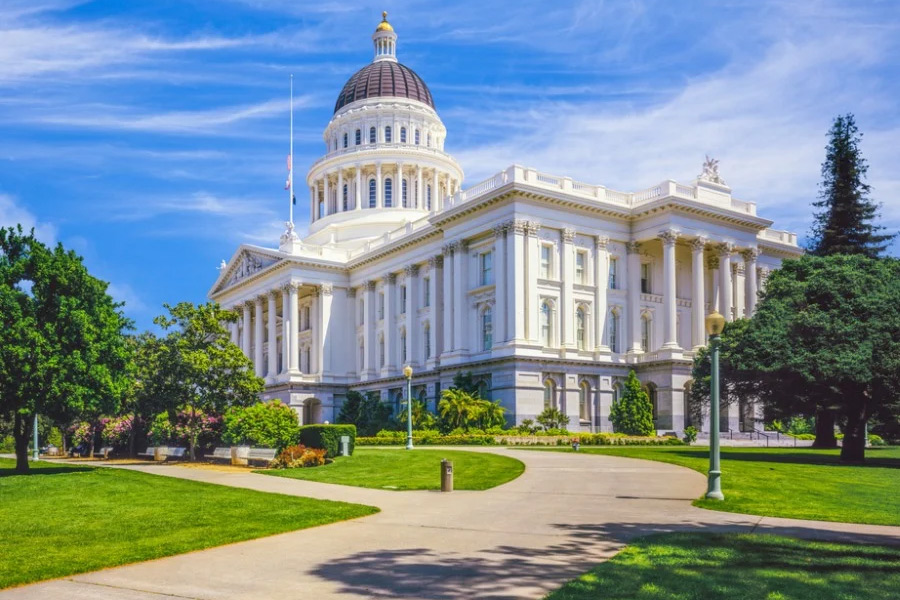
(487, 268)
(428, 196)
(645, 333)
(304, 360)
(345, 140)
(381, 305)
(645, 278)
(546, 330)
(403, 193)
(417, 136)
(362, 355)
(549, 393)
(345, 196)
(371, 135)
(402, 299)
(616, 392)
(613, 273)
(426, 291)
(614, 331)
(580, 271)
(362, 311)
(388, 192)
(403, 135)
(358, 137)
(387, 134)
(580, 331)
(321, 209)
(403, 347)
(305, 317)
(487, 330)
(381, 352)
(428, 140)
(584, 394)
(546, 261)
(427, 344)
(372, 193)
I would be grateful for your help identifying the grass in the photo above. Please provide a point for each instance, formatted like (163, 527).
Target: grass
(400, 469)
(799, 483)
(65, 519)
(704, 566)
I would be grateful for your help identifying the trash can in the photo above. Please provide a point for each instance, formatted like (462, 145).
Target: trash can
(446, 475)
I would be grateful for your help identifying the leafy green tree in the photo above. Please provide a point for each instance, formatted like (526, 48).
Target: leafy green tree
(62, 338)
(553, 418)
(844, 223)
(633, 412)
(366, 411)
(459, 409)
(197, 366)
(828, 329)
(422, 418)
(268, 424)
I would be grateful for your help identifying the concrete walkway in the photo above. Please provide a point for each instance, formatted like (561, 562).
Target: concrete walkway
(566, 513)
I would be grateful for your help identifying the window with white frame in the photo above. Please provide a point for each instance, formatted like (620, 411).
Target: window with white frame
(546, 261)
(403, 135)
(428, 196)
(346, 194)
(428, 140)
(306, 323)
(646, 323)
(645, 278)
(613, 273)
(487, 267)
(584, 399)
(417, 137)
(402, 299)
(387, 134)
(614, 331)
(388, 192)
(546, 324)
(403, 347)
(549, 393)
(358, 137)
(427, 341)
(426, 291)
(580, 328)
(581, 267)
(381, 352)
(362, 354)
(403, 193)
(372, 135)
(372, 193)
(487, 330)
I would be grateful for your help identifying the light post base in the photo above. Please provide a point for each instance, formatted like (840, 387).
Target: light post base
(714, 486)
(409, 444)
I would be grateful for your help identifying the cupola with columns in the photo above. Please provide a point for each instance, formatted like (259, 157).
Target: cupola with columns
(384, 164)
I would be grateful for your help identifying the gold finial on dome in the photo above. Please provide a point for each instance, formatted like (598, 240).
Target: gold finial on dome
(384, 25)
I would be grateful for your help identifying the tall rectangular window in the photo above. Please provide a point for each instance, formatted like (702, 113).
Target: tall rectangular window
(487, 330)
(381, 305)
(402, 299)
(614, 332)
(427, 341)
(613, 273)
(426, 291)
(645, 278)
(546, 261)
(580, 270)
(487, 268)
(403, 347)
(371, 135)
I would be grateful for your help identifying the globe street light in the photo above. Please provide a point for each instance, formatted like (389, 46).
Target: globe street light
(715, 323)
(407, 372)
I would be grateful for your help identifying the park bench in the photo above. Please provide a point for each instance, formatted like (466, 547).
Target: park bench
(261, 456)
(103, 453)
(222, 453)
(166, 452)
(150, 453)
(177, 453)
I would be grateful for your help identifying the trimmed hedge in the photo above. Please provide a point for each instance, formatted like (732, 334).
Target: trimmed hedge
(429, 438)
(327, 437)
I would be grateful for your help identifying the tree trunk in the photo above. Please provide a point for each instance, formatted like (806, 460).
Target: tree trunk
(21, 433)
(853, 448)
(62, 433)
(131, 435)
(824, 429)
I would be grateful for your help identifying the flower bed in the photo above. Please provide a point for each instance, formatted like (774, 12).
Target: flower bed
(428, 438)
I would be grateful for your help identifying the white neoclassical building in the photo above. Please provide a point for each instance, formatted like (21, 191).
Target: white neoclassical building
(548, 290)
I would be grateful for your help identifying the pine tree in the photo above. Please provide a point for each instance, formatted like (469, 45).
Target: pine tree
(844, 223)
(633, 412)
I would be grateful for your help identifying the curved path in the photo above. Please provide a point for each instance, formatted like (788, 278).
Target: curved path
(523, 539)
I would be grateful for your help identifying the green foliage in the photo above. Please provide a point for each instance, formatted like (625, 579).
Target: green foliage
(553, 419)
(427, 438)
(690, 434)
(367, 412)
(460, 409)
(264, 424)
(327, 437)
(633, 412)
(465, 382)
(190, 427)
(422, 418)
(63, 352)
(844, 223)
(527, 427)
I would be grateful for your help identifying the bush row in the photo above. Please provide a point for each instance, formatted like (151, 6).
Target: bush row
(433, 438)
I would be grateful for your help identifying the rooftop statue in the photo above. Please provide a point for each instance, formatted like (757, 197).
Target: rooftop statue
(711, 171)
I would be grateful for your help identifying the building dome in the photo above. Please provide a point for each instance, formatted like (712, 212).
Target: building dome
(384, 25)
(384, 78)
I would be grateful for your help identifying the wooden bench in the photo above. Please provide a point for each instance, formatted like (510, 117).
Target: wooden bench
(103, 453)
(222, 453)
(261, 456)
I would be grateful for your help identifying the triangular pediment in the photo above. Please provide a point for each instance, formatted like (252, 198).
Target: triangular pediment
(246, 264)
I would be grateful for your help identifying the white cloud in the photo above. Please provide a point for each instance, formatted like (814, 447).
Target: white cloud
(123, 292)
(12, 213)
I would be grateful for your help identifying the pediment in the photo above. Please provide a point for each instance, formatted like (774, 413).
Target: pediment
(244, 265)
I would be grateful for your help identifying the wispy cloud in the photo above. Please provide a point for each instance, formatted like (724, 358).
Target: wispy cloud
(12, 213)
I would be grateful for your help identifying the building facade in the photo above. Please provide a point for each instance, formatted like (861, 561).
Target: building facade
(546, 289)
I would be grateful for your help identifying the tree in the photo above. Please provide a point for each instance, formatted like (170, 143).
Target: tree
(459, 409)
(268, 424)
(422, 418)
(843, 225)
(553, 418)
(826, 331)
(62, 338)
(367, 412)
(197, 368)
(633, 412)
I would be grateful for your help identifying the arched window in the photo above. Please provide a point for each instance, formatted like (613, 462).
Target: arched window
(427, 340)
(387, 134)
(580, 330)
(546, 324)
(372, 193)
(388, 192)
(613, 330)
(645, 332)
(487, 329)
(428, 196)
(417, 136)
(345, 140)
(403, 135)
(358, 137)
(345, 196)
(372, 138)
(584, 398)
(549, 393)
(403, 193)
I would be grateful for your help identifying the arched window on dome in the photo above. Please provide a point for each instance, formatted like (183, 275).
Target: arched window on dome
(428, 140)
(346, 140)
(428, 196)
(417, 136)
(345, 196)
(372, 193)
(403, 135)
(387, 134)
(358, 137)
(372, 135)
(403, 194)
(388, 192)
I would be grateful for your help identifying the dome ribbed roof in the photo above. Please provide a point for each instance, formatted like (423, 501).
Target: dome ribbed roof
(384, 78)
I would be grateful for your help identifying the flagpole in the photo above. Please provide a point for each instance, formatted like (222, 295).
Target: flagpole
(291, 174)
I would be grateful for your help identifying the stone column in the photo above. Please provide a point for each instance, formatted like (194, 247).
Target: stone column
(698, 302)
(390, 309)
(260, 368)
(449, 249)
(326, 194)
(712, 266)
(235, 329)
(750, 257)
(437, 300)
(515, 272)
(738, 289)
(420, 204)
(601, 282)
(670, 321)
(461, 288)
(285, 328)
(272, 370)
(726, 303)
(358, 187)
(339, 203)
(435, 200)
(369, 343)
(294, 323)
(567, 274)
(324, 328)
(312, 203)
(500, 307)
(412, 289)
(379, 187)
(398, 189)
(634, 297)
(246, 331)
(532, 302)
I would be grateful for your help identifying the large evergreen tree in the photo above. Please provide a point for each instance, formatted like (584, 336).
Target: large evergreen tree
(844, 222)
(633, 412)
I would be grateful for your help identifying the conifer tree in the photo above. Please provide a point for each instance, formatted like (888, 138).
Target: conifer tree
(633, 412)
(844, 222)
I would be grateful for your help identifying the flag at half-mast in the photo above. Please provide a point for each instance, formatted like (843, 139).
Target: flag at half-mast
(287, 184)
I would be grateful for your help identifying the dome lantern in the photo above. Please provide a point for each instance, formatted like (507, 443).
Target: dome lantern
(385, 41)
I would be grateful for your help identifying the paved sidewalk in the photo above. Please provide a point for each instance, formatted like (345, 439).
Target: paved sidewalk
(521, 540)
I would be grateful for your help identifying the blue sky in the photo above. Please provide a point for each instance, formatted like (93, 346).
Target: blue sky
(150, 136)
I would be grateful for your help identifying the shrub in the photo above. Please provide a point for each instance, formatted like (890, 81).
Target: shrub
(460, 409)
(552, 418)
(327, 437)
(803, 436)
(427, 438)
(206, 428)
(527, 427)
(633, 413)
(267, 424)
(297, 456)
(690, 435)
(367, 412)
(876, 440)
(117, 432)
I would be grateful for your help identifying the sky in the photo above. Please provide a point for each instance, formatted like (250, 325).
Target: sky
(150, 137)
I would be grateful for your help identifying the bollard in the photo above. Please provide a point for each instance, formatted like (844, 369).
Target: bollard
(446, 475)
(345, 445)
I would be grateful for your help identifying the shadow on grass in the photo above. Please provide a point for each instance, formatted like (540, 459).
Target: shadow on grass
(799, 456)
(55, 470)
(510, 571)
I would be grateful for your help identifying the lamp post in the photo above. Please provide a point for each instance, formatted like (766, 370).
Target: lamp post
(408, 372)
(715, 323)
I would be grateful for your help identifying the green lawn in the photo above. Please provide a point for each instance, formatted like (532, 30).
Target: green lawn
(66, 519)
(800, 483)
(418, 469)
(704, 566)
